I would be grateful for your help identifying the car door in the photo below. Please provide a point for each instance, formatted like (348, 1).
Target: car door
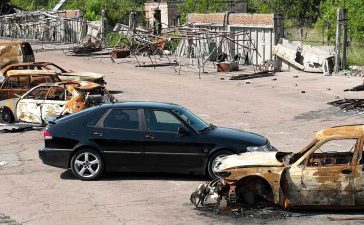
(120, 135)
(326, 176)
(29, 106)
(165, 148)
(14, 85)
(54, 104)
(359, 177)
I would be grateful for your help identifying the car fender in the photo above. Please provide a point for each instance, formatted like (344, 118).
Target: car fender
(88, 144)
(221, 148)
(10, 103)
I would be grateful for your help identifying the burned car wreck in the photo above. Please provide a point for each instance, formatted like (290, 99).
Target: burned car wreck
(326, 174)
(53, 99)
(63, 74)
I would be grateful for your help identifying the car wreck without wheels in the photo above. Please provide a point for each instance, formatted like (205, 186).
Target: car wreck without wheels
(326, 174)
(53, 99)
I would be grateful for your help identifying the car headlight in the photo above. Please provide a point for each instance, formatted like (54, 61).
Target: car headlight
(263, 148)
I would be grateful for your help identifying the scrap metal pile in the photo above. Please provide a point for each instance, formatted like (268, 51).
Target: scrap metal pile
(199, 45)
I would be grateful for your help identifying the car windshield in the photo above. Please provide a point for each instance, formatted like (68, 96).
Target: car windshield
(195, 122)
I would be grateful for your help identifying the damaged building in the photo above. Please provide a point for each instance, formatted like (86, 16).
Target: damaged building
(251, 36)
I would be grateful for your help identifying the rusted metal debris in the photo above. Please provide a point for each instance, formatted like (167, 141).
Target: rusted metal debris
(349, 104)
(252, 76)
(325, 174)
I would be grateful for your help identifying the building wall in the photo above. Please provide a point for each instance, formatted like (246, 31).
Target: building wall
(169, 11)
(254, 35)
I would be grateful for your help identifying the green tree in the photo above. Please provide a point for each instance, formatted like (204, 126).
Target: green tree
(328, 15)
(201, 6)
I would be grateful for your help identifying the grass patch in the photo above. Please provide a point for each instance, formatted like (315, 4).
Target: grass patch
(355, 55)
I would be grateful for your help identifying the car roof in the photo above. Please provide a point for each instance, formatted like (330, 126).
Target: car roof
(30, 72)
(340, 132)
(143, 104)
(29, 63)
(11, 42)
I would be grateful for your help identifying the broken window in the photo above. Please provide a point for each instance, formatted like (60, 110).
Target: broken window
(38, 93)
(334, 152)
(56, 94)
(35, 80)
(13, 82)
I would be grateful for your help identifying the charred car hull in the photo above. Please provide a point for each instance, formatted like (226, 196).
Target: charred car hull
(316, 177)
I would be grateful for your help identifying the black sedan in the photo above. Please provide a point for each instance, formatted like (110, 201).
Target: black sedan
(141, 136)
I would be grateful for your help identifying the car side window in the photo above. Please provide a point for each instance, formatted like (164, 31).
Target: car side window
(95, 118)
(12, 82)
(332, 153)
(35, 80)
(158, 120)
(38, 93)
(56, 94)
(23, 82)
(122, 119)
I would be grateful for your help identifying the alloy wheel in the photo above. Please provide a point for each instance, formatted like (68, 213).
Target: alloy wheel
(87, 164)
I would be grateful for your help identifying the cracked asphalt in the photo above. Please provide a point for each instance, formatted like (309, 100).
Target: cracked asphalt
(33, 193)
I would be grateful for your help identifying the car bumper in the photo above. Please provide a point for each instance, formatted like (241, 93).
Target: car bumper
(55, 157)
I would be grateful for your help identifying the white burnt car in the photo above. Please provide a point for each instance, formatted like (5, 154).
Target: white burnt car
(326, 174)
(53, 99)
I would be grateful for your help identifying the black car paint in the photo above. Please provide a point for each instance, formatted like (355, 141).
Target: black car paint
(142, 149)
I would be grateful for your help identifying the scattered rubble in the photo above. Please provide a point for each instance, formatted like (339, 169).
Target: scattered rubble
(349, 104)
(318, 59)
(19, 127)
(6, 220)
(252, 75)
(356, 71)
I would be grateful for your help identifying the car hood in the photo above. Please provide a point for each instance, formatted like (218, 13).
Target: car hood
(89, 75)
(249, 159)
(237, 136)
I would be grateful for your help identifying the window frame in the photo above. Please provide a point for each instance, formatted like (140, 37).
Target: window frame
(164, 110)
(100, 123)
(321, 143)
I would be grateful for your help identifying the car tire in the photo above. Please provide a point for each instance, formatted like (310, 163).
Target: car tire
(87, 164)
(6, 116)
(212, 160)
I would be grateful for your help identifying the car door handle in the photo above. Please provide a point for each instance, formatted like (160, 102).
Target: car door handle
(346, 171)
(98, 134)
(149, 137)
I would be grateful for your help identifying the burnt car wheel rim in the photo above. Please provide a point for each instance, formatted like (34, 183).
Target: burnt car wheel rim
(87, 164)
(6, 116)
(216, 162)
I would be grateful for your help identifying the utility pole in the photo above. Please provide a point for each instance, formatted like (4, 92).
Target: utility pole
(340, 16)
(345, 37)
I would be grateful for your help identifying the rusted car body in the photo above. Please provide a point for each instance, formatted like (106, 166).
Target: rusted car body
(62, 73)
(20, 81)
(327, 173)
(15, 52)
(53, 99)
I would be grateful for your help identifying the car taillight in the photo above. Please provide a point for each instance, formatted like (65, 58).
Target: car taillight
(47, 135)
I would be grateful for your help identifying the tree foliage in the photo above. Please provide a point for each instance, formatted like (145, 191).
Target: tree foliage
(201, 6)
(328, 17)
(297, 13)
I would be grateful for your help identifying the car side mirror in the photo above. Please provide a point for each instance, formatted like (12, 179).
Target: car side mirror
(18, 96)
(183, 131)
